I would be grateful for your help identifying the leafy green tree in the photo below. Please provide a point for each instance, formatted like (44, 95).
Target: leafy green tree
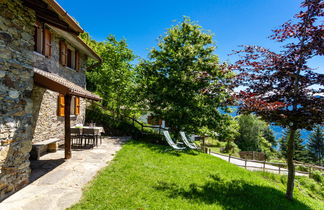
(183, 82)
(300, 152)
(114, 78)
(316, 145)
(269, 136)
(253, 134)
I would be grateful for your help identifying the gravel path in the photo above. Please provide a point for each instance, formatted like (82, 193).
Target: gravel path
(58, 183)
(249, 165)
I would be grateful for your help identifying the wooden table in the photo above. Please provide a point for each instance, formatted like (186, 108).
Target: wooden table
(97, 129)
(97, 134)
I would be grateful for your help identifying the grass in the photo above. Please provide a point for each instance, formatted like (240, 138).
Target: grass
(218, 150)
(144, 176)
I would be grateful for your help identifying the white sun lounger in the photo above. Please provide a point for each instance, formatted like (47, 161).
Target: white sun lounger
(171, 143)
(186, 141)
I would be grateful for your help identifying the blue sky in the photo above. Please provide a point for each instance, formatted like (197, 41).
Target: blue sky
(141, 22)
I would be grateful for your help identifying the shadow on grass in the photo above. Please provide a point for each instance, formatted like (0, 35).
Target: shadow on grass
(234, 194)
(159, 148)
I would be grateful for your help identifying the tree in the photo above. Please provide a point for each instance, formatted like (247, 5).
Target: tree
(280, 85)
(183, 82)
(114, 78)
(316, 145)
(269, 136)
(300, 152)
(252, 134)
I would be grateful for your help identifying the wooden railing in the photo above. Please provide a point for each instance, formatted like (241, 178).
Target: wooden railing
(135, 121)
(281, 167)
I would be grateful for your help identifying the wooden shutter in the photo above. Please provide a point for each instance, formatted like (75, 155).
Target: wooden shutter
(47, 43)
(63, 49)
(76, 105)
(77, 60)
(38, 37)
(60, 105)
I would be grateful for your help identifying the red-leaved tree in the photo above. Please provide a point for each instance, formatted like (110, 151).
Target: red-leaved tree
(280, 86)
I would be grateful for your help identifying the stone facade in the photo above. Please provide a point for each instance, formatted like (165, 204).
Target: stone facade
(45, 121)
(16, 84)
(28, 113)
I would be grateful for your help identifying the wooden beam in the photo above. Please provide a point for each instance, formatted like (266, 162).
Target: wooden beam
(47, 15)
(67, 129)
(47, 83)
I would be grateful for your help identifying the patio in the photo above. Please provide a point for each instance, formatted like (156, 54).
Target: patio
(57, 183)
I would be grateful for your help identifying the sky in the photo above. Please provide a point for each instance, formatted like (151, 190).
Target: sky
(141, 22)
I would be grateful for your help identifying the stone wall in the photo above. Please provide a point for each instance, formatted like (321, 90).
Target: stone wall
(27, 112)
(52, 64)
(46, 122)
(16, 84)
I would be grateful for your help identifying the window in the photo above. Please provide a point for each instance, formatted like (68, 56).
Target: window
(77, 60)
(69, 57)
(75, 105)
(153, 120)
(43, 40)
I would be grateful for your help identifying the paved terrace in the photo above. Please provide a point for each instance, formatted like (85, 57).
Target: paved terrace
(56, 183)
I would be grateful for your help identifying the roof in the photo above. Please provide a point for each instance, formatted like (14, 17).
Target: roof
(51, 13)
(64, 15)
(59, 84)
(75, 26)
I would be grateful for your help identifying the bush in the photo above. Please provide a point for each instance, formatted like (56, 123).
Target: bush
(302, 168)
(231, 147)
(120, 126)
(317, 176)
(212, 142)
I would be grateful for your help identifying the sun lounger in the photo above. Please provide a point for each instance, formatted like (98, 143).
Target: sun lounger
(186, 141)
(171, 142)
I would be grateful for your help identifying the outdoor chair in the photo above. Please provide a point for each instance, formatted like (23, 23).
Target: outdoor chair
(89, 137)
(186, 141)
(171, 142)
(76, 136)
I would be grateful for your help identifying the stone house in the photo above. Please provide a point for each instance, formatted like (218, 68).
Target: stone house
(42, 83)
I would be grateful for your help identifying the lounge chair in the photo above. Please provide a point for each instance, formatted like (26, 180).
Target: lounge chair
(186, 141)
(171, 143)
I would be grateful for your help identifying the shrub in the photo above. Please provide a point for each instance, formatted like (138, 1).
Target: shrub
(231, 147)
(302, 168)
(120, 126)
(317, 176)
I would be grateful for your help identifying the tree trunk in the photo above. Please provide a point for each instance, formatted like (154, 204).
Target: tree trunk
(291, 166)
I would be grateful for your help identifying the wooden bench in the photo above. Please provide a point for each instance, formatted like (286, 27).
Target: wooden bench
(41, 148)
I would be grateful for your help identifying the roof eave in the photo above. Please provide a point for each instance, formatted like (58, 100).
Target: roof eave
(64, 15)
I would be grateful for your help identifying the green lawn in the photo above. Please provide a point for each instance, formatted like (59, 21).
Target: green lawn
(144, 176)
